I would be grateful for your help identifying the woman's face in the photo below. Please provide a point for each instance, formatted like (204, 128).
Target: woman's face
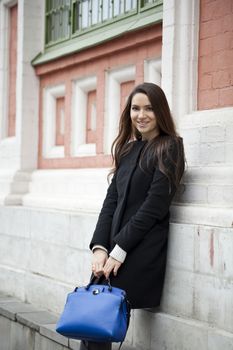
(143, 117)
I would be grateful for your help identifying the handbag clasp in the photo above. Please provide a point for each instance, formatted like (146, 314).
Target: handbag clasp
(96, 291)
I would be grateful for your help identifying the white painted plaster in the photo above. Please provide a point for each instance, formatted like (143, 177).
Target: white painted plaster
(80, 90)
(180, 55)
(113, 80)
(152, 71)
(50, 94)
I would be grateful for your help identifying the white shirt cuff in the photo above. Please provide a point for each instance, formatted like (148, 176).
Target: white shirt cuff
(97, 246)
(118, 253)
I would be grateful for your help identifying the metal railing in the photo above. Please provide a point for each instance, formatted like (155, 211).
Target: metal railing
(67, 18)
(93, 12)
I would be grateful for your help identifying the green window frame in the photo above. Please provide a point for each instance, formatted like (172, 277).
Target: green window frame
(67, 19)
(57, 20)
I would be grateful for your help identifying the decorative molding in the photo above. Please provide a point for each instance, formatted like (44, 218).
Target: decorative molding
(80, 90)
(50, 150)
(152, 71)
(114, 79)
(76, 54)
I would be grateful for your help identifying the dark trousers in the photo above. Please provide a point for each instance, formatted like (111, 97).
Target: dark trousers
(95, 346)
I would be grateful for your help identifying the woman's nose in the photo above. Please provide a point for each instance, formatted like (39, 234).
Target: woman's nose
(141, 113)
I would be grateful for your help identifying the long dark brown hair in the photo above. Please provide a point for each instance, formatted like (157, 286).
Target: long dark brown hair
(158, 147)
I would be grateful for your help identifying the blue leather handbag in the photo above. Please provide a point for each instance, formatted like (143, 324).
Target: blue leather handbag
(96, 312)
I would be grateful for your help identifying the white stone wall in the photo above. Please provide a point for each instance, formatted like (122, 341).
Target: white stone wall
(49, 256)
(44, 242)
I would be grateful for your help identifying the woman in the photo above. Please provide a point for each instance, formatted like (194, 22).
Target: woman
(130, 240)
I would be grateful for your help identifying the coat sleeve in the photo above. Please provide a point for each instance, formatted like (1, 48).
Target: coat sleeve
(102, 231)
(153, 210)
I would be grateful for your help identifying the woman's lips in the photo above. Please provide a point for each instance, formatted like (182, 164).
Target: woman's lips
(142, 125)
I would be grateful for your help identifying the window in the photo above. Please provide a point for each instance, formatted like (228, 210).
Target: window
(87, 14)
(66, 19)
(148, 2)
(57, 20)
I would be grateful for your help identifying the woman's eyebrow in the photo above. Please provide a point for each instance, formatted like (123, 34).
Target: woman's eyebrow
(134, 105)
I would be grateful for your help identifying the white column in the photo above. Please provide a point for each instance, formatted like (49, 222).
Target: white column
(4, 49)
(30, 43)
(180, 54)
(20, 152)
(8, 147)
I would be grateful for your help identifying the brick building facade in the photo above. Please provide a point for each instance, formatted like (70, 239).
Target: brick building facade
(61, 93)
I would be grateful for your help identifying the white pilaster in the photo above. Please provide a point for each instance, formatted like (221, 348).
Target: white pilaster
(180, 54)
(8, 146)
(4, 69)
(30, 43)
(114, 79)
(20, 152)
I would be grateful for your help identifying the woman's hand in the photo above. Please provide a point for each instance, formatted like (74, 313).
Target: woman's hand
(111, 265)
(98, 261)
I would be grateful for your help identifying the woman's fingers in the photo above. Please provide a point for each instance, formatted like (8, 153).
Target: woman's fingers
(98, 261)
(97, 269)
(103, 265)
(111, 265)
(115, 270)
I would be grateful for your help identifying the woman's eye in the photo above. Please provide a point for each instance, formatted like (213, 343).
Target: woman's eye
(149, 109)
(134, 109)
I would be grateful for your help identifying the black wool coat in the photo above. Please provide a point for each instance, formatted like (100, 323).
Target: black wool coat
(135, 215)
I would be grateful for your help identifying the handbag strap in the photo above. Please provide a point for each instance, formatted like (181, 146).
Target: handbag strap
(93, 279)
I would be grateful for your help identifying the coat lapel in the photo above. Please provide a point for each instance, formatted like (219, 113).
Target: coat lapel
(131, 165)
(125, 174)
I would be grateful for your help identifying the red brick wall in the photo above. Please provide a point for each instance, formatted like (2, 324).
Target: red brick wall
(215, 88)
(129, 49)
(13, 13)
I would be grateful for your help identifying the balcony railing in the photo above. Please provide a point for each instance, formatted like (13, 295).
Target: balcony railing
(68, 18)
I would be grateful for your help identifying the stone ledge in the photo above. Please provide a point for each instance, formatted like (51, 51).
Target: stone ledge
(219, 116)
(35, 319)
(41, 322)
(202, 215)
(11, 309)
(48, 330)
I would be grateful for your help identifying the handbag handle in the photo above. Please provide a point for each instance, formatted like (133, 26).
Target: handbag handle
(93, 278)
